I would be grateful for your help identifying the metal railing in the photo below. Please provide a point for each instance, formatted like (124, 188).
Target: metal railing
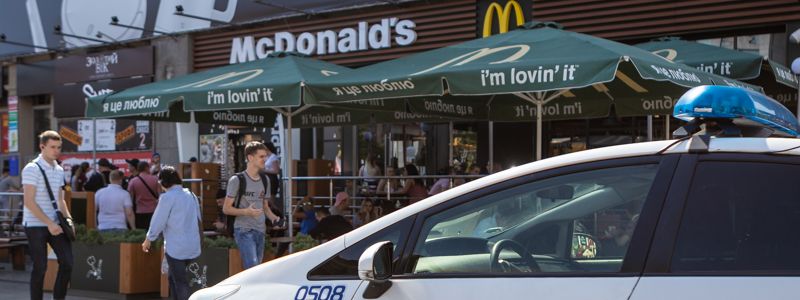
(8, 214)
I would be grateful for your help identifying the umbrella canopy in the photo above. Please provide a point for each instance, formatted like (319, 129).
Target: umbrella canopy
(777, 80)
(540, 64)
(274, 82)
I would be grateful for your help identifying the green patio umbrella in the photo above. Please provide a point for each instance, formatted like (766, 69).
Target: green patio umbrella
(538, 63)
(249, 94)
(776, 79)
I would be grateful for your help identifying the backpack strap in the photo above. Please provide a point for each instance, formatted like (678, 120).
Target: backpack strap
(242, 187)
(265, 182)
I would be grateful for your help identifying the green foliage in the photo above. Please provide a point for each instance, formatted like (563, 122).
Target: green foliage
(304, 242)
(219, 242)
(94, 237)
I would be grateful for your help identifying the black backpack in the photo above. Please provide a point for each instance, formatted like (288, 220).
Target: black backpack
(230, 219)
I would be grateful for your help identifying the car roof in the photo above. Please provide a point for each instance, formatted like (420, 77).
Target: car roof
(783, 146)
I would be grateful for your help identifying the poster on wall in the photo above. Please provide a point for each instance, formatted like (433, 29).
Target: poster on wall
(13, 136)
(4, 133)
(105, 135)
(112, 135)
(211, 148)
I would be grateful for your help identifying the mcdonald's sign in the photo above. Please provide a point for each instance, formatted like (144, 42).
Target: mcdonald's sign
(503, 16)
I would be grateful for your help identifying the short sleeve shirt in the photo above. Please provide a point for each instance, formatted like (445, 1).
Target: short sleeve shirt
(254, 195)
(31, 175)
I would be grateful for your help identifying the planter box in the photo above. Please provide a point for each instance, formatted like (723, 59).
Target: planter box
(213, 266)
(115, 268)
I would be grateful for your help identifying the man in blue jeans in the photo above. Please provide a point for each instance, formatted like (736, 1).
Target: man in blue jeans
(249, 228)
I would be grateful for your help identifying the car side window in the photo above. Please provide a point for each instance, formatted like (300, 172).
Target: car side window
(577, 222)
(739, 217)
(345, 263)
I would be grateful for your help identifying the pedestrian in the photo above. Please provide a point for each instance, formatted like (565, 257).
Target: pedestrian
(247, 205)
(155, 164)
(114, 206)
(8, 183)
(177, 217)
(42, 179)
(79, 178)
(99, 178)
(144, 191)
(272, 168)
(133, 167)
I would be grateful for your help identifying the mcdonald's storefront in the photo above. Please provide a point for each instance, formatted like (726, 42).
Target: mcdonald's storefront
(368, 35)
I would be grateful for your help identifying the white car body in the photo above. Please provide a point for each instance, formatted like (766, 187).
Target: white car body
(287, 277)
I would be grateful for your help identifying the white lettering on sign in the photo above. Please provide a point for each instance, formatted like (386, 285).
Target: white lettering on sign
(363, 37)
(101, 62)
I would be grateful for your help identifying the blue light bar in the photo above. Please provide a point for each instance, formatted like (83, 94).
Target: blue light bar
(742, 106)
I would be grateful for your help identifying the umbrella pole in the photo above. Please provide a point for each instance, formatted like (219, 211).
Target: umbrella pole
(539, 106)
(491, 147)
(288, 198)
(450, 144)
(94, 143)
(649, 128)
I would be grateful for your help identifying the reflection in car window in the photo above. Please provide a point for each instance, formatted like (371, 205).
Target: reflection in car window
(345, 263)
(559, 224)
(740, 216)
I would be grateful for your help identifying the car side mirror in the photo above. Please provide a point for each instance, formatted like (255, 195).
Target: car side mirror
(375, 265)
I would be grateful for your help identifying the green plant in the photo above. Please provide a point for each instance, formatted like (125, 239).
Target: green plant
(304, 242)
(95, 237)
(219, 242)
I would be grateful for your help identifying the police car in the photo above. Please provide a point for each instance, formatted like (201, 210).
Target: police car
(714, 214)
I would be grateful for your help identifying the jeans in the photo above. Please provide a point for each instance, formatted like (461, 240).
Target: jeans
(178, 282)
(38, 238)
(251, 246)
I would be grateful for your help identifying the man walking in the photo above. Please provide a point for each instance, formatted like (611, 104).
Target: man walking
(114, 206)
(39, 216)
(247, 201)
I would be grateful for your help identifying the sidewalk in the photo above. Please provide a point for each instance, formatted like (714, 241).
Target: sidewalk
(14, 285)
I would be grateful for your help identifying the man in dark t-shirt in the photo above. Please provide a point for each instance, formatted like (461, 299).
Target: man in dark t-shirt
(329, 226)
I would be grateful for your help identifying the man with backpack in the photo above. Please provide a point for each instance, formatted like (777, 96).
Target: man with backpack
(247, 206)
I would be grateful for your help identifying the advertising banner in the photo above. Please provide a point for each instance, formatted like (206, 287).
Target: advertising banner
(13, 135)
(112, 135)
(116, 158)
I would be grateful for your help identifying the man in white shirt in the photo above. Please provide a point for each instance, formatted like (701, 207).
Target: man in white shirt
(114, 205)
(39, 216)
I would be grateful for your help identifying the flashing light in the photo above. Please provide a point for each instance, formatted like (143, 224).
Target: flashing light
(742, 106)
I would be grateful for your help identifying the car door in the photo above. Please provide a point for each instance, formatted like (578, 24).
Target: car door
(575, 232)
(729, 230)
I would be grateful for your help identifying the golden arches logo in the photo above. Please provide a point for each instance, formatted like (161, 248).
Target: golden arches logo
(503, 16)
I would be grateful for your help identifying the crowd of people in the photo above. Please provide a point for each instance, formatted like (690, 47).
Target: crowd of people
(152, 197)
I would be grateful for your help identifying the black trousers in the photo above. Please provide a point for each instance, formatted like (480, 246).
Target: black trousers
(38, 238)
(142, 221)
(178, 281)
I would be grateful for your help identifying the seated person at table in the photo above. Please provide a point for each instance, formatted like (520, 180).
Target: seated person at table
(329, 226)
(305, 212)
(393, 183)
(413, 188)
(368, 213)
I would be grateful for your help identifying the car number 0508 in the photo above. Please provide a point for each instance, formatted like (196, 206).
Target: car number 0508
(320, 292)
